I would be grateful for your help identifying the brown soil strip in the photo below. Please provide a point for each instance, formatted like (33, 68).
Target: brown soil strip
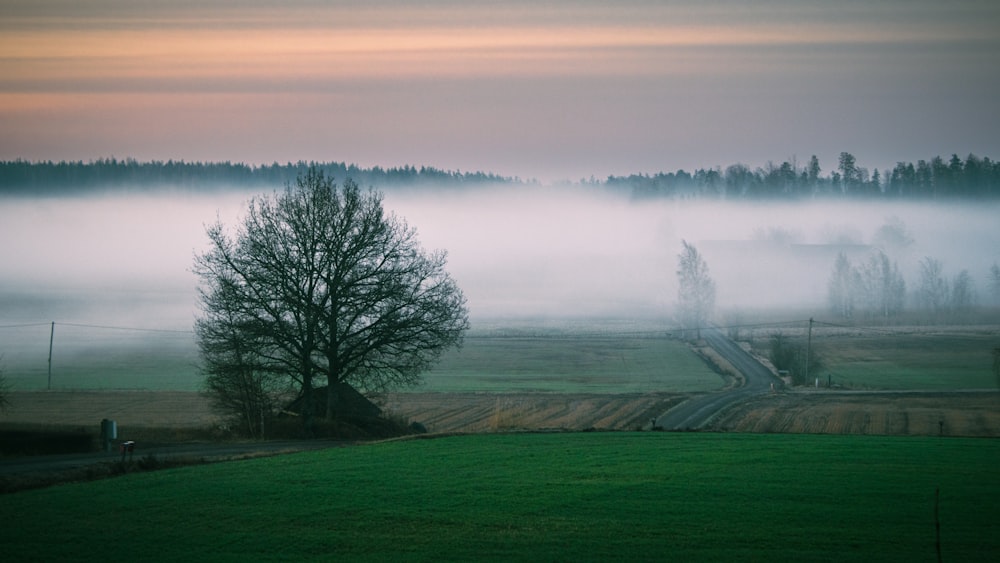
(896, 414)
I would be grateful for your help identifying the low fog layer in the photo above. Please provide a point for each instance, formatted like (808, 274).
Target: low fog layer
(516, 252)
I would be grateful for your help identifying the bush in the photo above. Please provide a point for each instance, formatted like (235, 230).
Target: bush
(791, 356)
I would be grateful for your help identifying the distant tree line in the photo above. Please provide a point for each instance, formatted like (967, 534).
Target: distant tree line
(26, 177)
(971, 178)
(875, 289)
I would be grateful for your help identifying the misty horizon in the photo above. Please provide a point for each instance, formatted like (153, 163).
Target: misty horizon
(515, 252)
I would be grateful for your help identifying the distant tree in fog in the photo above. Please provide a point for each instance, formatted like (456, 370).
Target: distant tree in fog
(893, 235)
(696, 292)
(320, 283)
(963, 292)
(882, 288)
(932, 291)
(777, 235)
(994, 283)
(842, 287)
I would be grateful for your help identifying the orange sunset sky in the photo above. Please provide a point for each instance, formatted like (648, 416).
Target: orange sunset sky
(549, 90)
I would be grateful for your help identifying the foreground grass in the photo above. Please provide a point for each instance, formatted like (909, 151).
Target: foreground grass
(592, 496)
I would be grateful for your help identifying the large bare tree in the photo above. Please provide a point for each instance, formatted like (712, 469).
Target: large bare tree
(320, 283)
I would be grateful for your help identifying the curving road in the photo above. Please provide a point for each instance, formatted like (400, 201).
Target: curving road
(696, 412)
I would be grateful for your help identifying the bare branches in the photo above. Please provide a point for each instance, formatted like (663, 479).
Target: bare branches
(325, 284)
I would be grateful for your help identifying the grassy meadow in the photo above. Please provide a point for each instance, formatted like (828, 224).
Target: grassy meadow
(572, 363)
(493, 359)
(548, 497)
(527, 356)
(921, 359)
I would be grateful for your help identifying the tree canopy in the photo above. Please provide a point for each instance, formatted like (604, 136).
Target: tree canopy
(319, 282)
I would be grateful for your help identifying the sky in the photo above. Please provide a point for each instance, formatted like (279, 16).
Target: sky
(550, 90)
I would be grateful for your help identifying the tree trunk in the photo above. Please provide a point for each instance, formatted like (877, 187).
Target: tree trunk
(332, 391)
(307, 405)
(331, 400)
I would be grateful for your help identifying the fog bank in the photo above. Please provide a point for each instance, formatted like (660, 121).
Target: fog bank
(515, 252)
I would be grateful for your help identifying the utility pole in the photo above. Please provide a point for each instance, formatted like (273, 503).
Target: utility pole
(809, 341)
(52, 336)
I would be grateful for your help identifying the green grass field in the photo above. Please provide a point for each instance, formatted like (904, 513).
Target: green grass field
(547, 497)
(572, 364)
(583, 356)
(508, 359)
(931, 360)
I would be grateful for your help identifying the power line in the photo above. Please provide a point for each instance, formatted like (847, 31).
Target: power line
(24, 325)
(128, 328)
(861, 328)
(759, 325)
(102, 327)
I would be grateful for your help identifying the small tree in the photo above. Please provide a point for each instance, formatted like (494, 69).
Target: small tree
(963, 292)
(696, 293)
(239, 382)
(791, 356)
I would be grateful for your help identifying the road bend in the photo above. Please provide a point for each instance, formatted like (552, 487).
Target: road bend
(696, 412)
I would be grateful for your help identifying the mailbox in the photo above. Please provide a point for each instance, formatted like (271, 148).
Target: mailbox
(127, 448)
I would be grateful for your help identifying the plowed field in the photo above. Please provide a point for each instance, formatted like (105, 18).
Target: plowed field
(886, 413)
(471, 412)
